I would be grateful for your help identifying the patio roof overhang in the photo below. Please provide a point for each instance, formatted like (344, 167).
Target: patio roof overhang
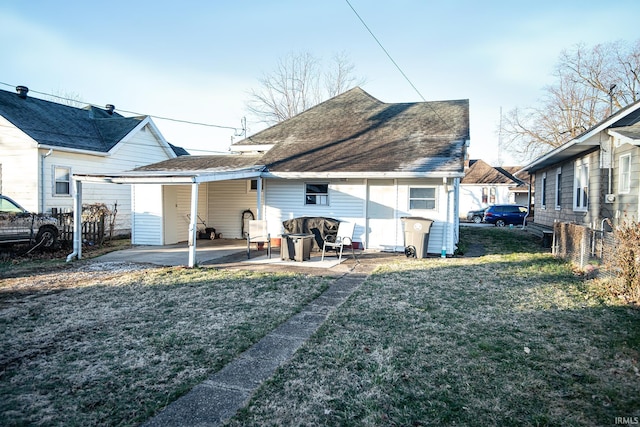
(170, 177)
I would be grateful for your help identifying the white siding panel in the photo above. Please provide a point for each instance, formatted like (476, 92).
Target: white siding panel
(285, 200)
(227, 201)
(184, 210)
(147, 215)
(20, 166)
(438, 215)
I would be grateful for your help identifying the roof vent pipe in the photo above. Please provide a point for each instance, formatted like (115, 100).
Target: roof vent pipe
(22, 91)
(110, 108)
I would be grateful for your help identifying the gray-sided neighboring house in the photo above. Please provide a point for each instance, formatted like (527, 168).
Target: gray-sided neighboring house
(43, 143)
(593, 178)
(351, 158)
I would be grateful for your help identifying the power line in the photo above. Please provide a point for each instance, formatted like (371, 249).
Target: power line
(385, 51)
(446, 123)
(235, 129)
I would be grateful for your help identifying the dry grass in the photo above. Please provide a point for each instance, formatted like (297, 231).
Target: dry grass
(114, 344)
(510, 338)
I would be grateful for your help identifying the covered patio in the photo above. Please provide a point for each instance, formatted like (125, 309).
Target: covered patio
(193, 178)
(218, 251)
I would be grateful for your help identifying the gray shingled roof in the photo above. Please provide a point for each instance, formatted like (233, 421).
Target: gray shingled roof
(58, 125)
(205, 163)
(354, 132)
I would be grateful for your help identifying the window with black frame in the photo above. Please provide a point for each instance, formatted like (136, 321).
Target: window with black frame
(316, 193)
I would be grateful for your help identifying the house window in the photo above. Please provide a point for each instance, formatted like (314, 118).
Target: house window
(543, 191)
(625, 174)
(62, 181)
(422, 198)
(252, 186)
(316, 194)
(558, 188)
(485, 195)
(492, 195)
(581, 186)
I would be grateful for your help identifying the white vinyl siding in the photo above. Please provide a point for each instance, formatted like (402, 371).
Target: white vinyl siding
(284, 200)
(147, 215)
(226, 202)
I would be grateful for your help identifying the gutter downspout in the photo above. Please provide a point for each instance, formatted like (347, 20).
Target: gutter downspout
(77, 222)
(443, 252)
(42, 157)
(524, 222)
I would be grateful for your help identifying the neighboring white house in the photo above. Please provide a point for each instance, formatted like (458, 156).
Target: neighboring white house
(351, 158)
(484, 185)
(43, 143)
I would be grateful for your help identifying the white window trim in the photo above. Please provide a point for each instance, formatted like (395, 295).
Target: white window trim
(626, 188)
(435, 198)
(558, 195)
(580, 166)
(54, 181)
(328, 184)
(543, 191)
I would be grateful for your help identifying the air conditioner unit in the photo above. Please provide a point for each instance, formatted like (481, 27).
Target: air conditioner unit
(610, 198)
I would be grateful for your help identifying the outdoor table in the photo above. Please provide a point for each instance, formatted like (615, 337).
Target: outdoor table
(296, 247)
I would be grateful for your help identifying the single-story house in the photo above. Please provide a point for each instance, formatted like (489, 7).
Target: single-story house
(43, 143)
(351, 158)
(484, 185)
(594, 177)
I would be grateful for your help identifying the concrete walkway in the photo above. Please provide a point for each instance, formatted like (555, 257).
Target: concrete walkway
(220, 396)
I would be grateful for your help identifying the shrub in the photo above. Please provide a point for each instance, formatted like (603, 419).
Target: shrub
(626, 258)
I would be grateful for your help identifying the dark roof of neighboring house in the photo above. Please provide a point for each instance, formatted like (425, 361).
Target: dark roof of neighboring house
(58, 125)
(632, 131)
(620, 121)
(480, 172)
(205, 163)
(354, 132)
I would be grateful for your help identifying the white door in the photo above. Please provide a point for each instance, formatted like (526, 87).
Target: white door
(381, 208)
(170, 214)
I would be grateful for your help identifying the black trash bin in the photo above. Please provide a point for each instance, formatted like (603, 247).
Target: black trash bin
(416, 236)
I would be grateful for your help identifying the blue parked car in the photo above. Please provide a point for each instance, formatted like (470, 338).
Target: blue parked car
(502, 215)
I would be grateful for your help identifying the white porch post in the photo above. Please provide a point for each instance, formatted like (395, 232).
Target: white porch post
(193, 224)
(77, 221)
(259, 199)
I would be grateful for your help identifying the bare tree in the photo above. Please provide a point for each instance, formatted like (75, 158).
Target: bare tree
(591, 84)
(72, 99)
(297, 84)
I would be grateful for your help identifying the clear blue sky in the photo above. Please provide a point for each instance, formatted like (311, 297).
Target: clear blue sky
(197, 60)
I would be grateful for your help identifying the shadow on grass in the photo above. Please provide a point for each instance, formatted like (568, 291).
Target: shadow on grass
(119, 350)
(494, 340)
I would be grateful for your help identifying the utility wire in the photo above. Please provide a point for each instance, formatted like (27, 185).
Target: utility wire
(385, 51)
(235, 129)
(446, 123)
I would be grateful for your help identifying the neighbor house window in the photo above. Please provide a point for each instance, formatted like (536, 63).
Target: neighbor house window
(543, 191)
(581, 186)
(492, 195)
(422, 198)
(558, 188)
(625, 174)
(316, 194)
(62, 181)
(485, 195)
